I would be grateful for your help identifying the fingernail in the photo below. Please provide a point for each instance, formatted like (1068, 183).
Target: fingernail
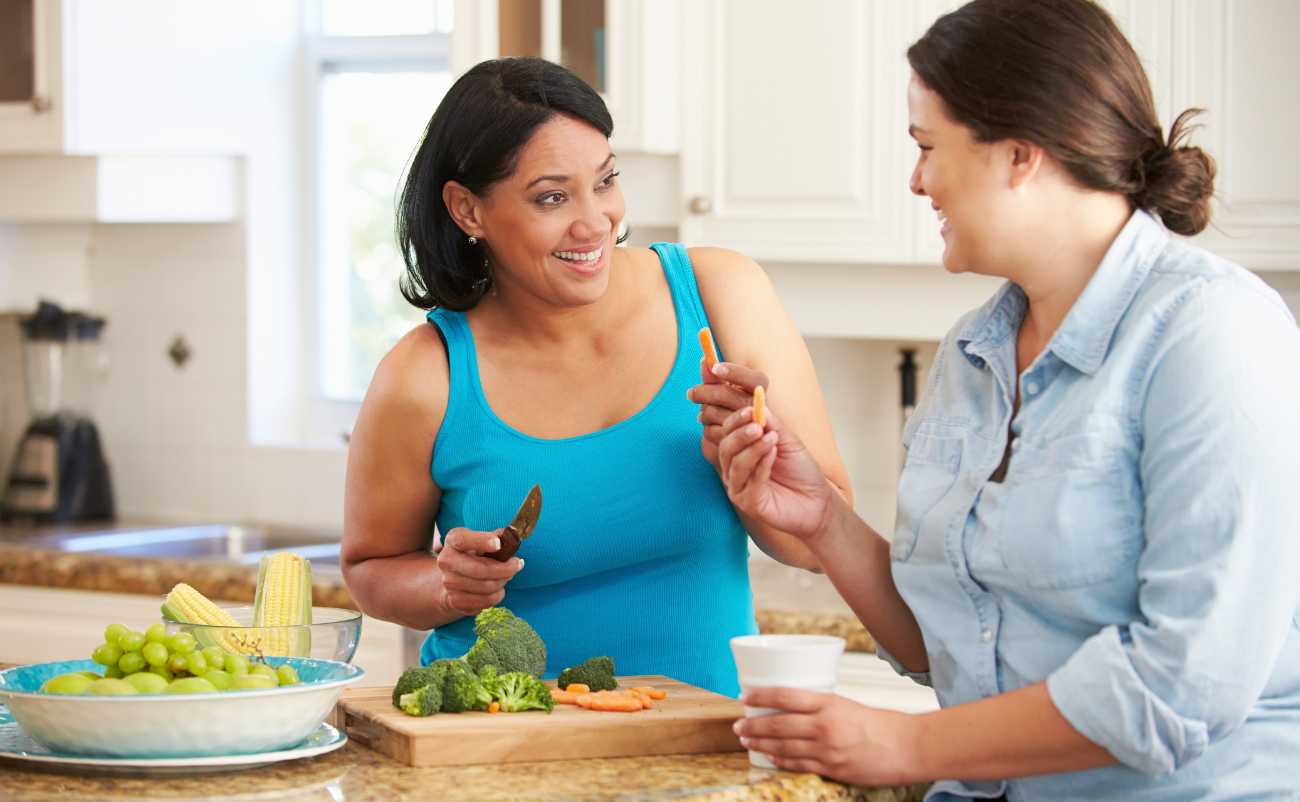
(752, 429)
(690, 395)
(744, 742)
(736, 727)
(719, 369)
(521, 564)
(494, 543)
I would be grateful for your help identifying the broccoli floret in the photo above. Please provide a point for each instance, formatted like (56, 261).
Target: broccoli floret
(415, 678)
(462, 690)
(519, 690)
(424, 701)
(507, 642)
(597, 673)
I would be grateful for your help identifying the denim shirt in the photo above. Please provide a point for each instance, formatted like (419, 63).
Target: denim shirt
(1142, 553)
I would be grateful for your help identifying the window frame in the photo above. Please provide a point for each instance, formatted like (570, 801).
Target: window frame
(329, 417)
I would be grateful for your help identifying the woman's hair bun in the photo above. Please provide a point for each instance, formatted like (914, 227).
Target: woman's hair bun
(1177, 180)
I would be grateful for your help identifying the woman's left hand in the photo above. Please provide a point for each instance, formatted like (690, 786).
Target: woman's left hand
(832, 736)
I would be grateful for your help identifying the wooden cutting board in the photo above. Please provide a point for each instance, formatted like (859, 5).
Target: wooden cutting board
(690, 720)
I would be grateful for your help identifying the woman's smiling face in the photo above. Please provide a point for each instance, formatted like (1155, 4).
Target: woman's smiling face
(962, 180)
(550, 227)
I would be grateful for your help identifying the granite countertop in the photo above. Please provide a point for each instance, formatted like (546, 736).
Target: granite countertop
(358, 774)
(23, 564)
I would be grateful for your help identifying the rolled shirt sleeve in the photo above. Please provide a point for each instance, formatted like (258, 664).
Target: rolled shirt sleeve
(1217, 573)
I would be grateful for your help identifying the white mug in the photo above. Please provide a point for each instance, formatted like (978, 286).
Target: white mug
(809, 662)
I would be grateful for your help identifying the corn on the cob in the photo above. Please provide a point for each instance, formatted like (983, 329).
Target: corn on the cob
(283, 599)
(188, 606)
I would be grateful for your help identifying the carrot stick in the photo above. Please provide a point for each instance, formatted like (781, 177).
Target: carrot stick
(615, 702)
(564, 697)
(584, 700)
(710, 353)
(760, 406)
(495, 707)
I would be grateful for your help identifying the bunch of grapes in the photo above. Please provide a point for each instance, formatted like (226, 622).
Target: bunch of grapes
(155, 662)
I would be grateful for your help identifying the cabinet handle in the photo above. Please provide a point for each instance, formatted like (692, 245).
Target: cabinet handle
(41, 104)
(700, 204)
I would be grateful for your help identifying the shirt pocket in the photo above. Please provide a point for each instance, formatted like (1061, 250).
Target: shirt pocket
(1074, 512)
(931, 469)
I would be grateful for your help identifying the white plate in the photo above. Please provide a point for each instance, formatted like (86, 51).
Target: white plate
(16, 745)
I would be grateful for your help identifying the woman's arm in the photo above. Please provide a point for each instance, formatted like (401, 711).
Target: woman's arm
(1016, 734)
(391, 501)
(752, 328)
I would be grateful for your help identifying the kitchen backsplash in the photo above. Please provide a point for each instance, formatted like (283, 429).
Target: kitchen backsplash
(177, 436)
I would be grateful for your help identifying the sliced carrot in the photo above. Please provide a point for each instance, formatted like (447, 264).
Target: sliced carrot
(577, 687)
(495, 707)
(760, 406)
(658, 693)
(616, 702)
(710, 353)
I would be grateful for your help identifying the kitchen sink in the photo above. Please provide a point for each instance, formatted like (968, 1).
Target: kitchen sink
(217, 542)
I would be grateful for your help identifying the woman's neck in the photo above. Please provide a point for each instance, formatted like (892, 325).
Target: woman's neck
(1074, 235)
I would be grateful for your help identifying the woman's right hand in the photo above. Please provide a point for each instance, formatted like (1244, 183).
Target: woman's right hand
(768, 472)
(470, 581)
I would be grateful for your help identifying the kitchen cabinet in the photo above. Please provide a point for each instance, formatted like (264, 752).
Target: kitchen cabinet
(38, 624)
(627, 49)
(31, 75)
(806, 159)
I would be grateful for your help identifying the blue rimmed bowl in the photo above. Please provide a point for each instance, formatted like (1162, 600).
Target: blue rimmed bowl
(174, 725)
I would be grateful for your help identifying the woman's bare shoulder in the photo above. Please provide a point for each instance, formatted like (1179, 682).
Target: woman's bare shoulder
(413, 376)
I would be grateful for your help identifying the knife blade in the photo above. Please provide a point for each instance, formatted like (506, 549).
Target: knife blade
(521, 526)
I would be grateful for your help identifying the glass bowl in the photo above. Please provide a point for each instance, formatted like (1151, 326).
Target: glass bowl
(333, 634)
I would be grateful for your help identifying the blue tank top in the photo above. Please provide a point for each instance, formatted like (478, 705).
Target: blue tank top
(637, 554)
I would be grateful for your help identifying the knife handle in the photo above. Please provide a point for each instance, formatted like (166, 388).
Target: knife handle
(509, 545)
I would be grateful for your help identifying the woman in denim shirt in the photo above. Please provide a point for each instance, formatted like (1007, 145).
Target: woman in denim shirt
(1096, 561)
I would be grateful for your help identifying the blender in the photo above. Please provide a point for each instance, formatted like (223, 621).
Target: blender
(59, 473)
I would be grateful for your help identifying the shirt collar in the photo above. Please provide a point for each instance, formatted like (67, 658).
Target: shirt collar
(1084, 336)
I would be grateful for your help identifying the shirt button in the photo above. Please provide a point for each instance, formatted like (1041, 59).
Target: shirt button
(986, 635)
(1032, 388)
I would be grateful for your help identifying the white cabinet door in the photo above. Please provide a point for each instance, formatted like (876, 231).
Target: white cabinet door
(1239, 61)
(794, 129)
(35, 124)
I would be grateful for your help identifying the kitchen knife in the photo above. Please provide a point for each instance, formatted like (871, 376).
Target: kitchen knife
(521, 526)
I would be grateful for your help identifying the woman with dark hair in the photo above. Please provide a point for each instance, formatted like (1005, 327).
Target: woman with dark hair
(554, 358)
(1095, 556)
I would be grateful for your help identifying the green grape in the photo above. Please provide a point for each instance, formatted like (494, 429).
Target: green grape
(130, 641)
(146, 682)
(236, 664)
(196, 663)
(111, 686)
(130, 663)
(219, 679)
(156, 633)
(176, 663)
(248, 682)
(190, 685)
(154, 653)
(181, 642)
(67, 683)
(107, 654)
(162, 672)
(112, 631)
(263, 669)
(215, 655)
(287, 674)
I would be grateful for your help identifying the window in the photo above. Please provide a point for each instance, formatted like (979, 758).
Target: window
(378, 70)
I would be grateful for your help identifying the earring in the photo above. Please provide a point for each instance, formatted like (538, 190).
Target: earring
(473, 240)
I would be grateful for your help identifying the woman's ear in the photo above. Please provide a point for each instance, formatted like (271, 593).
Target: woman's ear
(1024, 159)
(464, 208)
